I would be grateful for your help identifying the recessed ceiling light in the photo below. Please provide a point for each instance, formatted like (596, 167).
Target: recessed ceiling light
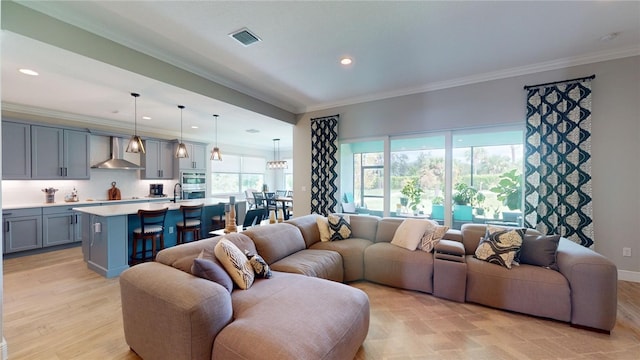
(346, 61)
(146, 118)
(29, 72)
(252, 131)
(194, 126)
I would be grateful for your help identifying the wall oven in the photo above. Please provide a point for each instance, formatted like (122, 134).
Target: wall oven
(194, 184)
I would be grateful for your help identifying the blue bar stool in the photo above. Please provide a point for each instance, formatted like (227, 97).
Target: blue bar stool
(191, 221)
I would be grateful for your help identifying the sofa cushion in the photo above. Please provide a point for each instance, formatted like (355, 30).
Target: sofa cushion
(352, 252)
(398, 267)
(527, 289)
(324, 264)
(276, 241)
(208, 267)
(235, 263)
(500, 246)
(387, 228)
(540, 250)
(339, 227)
(409, 233)
(308, 226)
(181, 257)
(327, 320)
(364, 226)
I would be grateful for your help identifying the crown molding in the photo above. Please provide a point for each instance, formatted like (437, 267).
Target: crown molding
(489, 76)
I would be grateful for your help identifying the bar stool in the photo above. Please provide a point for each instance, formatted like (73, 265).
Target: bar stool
(151, 228)
(217, 220)
(191, 221)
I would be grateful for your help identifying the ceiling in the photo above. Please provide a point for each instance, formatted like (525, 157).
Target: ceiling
(397, 48)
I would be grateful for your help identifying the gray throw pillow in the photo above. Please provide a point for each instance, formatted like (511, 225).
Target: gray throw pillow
(540, 250)
(212, 271)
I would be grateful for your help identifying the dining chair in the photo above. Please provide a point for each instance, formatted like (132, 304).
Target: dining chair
(259, 199)
(251, 201)
(253, 217)
(281, 193)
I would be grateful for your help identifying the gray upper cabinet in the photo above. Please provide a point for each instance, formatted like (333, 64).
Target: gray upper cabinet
(157, 160)
(59, 153)
(196, 159)
(16, 151)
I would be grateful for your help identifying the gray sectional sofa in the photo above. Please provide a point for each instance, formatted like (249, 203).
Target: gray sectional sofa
(171, 314)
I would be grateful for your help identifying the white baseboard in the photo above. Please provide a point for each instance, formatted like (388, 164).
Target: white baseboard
(4, 355)
(632, 276)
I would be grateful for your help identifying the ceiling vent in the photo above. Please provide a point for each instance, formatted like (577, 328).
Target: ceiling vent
(245, 37)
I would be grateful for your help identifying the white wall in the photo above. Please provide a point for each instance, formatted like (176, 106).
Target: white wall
(615, 138)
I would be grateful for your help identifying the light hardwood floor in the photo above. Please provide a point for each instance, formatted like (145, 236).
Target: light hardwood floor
(55, 308)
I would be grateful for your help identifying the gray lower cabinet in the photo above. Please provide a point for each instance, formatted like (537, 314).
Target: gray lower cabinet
(22, 229)
(16, 151)
(59, 225)
(59, 153)
(157, 160)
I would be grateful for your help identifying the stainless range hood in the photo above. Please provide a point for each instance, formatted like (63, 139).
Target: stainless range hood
(117, 162)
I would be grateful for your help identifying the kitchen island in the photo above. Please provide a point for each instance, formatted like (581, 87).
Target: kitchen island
(107, 230)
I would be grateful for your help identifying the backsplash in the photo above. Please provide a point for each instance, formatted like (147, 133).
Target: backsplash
(15, 192)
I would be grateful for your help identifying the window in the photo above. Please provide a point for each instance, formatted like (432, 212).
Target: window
(418, 160)
(364, 162)
(236, 174)
(288, 175)
(480, 163)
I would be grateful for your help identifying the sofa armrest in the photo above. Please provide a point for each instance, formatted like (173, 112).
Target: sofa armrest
(449, 250)
(170, 314)
(453, 234)
(593, 280)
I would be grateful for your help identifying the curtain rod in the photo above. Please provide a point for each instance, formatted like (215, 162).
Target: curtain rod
(527, 87)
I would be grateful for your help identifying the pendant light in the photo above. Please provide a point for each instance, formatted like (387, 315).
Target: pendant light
(181, 151)
(215, 152)
(135, 143)
(276, 163)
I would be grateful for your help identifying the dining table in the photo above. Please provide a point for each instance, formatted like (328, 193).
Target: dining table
(284, 200)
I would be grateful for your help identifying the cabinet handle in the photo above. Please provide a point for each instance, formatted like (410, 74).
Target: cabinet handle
(71, 219)
(7, 214)
(65, 172)
(8, 227)
(61, 173)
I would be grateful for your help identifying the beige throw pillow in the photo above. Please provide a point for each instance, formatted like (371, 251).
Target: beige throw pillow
(235, 263)
(409, 233)
(432, 236)
(323, 227)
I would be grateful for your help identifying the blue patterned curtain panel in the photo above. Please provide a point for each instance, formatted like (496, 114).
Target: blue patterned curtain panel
(558, 193)
(324, 164)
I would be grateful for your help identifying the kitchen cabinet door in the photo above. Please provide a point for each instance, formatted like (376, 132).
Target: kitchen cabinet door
(157, 160)
(16, 151)
(22, 229)
(196, 159)
(76, 154)
(58, 225)
(59, 153)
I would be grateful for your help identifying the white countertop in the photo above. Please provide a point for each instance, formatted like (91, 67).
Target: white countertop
(96, 202)
(132, 208)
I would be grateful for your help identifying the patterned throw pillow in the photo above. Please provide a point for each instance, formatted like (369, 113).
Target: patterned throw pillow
(339, 227)
(209, 268)
(259, 265)
(432, 236)
(323, 228)
(500, 246)
(235, 262)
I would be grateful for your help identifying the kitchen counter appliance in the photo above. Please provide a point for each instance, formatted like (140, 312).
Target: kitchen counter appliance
(156, 190)
(194, 184)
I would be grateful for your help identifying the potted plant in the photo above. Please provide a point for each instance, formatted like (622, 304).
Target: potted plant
(465, 197)
(413, 192)
(437, 208)
(509, 190)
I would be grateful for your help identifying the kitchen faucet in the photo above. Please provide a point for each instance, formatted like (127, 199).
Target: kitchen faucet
(175, 187)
